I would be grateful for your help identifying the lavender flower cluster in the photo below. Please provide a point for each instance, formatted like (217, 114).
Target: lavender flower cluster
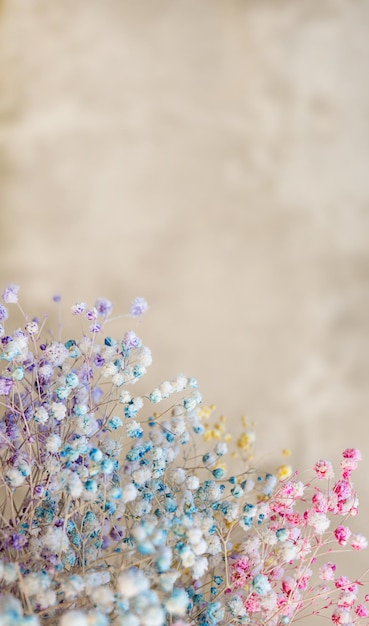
(115, 513)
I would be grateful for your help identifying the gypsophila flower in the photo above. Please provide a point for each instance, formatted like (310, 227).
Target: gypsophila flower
(358, 542)
(10, 294)
(118, 515)
(56, 353)
(3, 313)
(74, 618)
(104, 307)
(53, 443)
(138, 307)
(41, 415)
(6, 385)
(78, 308)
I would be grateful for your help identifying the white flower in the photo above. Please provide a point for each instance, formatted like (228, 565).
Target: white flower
(193, 482)
(168, 579)
(109, 369)
(53, 443)
(194, 535)
(188, 557)
(56, 540)
(214, 545)
(33, 582)
(118, 379)
(178, 426)
(200, 548)
(46, 598)
(142, 475)
(124, 397)
(56, 353)
(46, 371)
(71, 482)
(236, 606)
(130, 493)
(214, 491)
(177, 603)
(288, 551)
(319, 521)
(73, 587)
(14, 477)
(74, 618)
(9, 573)
(103, 596)
(155, 396)
(132, 582)
(41, 416)
(145, 357)
(137, 403)
(129, 619)
(221, 448)
(32, 328)
(179, 475)
(58, 410)
(180, 383)
(153, 616)
(166, 389)
(200, 567)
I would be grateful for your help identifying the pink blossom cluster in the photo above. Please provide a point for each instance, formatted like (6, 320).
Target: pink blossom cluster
(292, 539)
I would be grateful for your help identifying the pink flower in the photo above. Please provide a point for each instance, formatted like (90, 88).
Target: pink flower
(304, 580)
(287, 585)
(352, 453)
(327, 571)
(343, 489)
(320, 503)
(342, 533)
(324, 469)
(361, 610)
(341, 616)
(342, 582)
(347, 599)
(252, 604)
(359, 542)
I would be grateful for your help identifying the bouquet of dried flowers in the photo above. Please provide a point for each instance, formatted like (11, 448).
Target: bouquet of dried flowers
(113, 512)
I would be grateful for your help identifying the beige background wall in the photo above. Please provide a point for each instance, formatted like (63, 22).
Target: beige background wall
(211, 156)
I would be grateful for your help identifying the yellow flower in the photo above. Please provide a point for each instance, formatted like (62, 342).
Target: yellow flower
(284, 471)
(245, 441)
(221, 465)
(205, 411)
(208, 435)
(286, 452)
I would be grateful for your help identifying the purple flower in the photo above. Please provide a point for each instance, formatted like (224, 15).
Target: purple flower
(98, 360)
(38, 490)
(138, 307)
(17, 541)
(131, 340)
(104, 307)
(95, 328)
(6, 385)
(3, 312)
(10, 294)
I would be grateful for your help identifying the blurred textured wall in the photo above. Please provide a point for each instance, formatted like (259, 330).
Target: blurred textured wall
(212, 157)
